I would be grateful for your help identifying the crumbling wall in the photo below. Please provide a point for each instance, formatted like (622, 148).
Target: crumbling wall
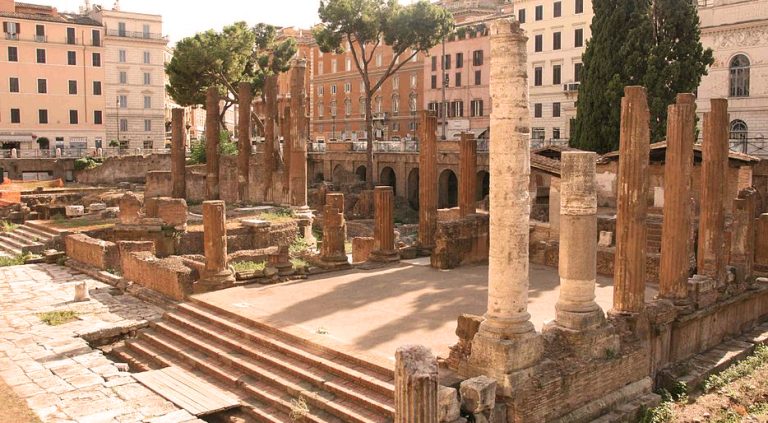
(158, 184)
(461, 242)
(168, 276)
(92, 251)
(124, 169)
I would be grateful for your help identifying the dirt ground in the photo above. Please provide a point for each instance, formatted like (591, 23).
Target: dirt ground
(14, 409)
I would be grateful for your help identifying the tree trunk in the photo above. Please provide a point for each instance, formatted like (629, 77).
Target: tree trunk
(369, 147)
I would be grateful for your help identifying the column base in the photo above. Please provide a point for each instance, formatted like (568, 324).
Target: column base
(214, 281)
(381, 256)
(597, 342)
(579, 320)
(334, 263)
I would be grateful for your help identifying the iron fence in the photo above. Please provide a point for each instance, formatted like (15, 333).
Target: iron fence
(76, 153)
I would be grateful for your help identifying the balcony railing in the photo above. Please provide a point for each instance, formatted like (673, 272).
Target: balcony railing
(76, 153)
(135, 34)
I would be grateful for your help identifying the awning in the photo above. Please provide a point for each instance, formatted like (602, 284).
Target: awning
(16, 137)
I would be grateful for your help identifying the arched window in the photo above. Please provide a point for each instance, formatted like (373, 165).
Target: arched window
(378, 104)
(395, 104)
(739, 68)
(362, 106)
(412, 102)
(347, 107)
(738, 136)
(333, 108)
(320, 109)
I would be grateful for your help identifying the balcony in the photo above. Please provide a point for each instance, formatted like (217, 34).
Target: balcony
(9, 36)
(135, 34)
(572, 87)
(41, 38)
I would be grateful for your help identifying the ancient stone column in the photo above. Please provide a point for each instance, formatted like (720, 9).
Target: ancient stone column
(245, 96)
(743, 235)
(761, 245)
(285, 130)
(427, 179)
(333, 253)
(178, 153)
(576, 307)
(384, 226)
(554, 209)
(507, 340)
(467, 174)
(269, 160)
(416, 385)
(212, 144)
(298, 157)
(216, 274)
(632, 206)
(714, 183)
(675, 254)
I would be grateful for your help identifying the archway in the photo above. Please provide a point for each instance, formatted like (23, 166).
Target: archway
(338, 174)
(413, 189)
(483, 185)
(388, 177)
(360, 172)
(448, 194)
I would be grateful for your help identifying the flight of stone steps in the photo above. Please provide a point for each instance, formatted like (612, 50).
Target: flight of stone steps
(31, 237)
(273, 372)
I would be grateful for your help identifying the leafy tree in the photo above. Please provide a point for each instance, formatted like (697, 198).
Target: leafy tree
(654, 43)
(224, 59)
(363, 26)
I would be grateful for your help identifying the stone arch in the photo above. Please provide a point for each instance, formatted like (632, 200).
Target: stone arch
(448, 192)
(338, 174)
(413, 188)
(388, 177)
(361, 172)
(483, 185)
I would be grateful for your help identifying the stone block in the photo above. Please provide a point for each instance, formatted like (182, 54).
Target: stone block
(130, 209)
(92, 251)
(255, 223)
(74, 211)
(703, 291)
(97, 207)
(361, 249)
(448, 406)
(81, 292)
(172, 211)
(468, 325)
(606, 239)
(478, 394)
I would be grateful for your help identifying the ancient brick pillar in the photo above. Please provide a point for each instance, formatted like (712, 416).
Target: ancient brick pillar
(298, 157)
(632, 206)
(384, 226)
(416, 385)
(212, 144)
(467, 174)
(507, 341)
(216, 274)
(675, 254)
(710, 258)
(576, 307)
(178, 153)
(287, 133)
(333, 252)
(269, 158)
(554, 209)
(245, 96)
(427, 179)
(761, 245)
(743, 235)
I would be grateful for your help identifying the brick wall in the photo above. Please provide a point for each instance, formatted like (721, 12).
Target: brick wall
(91, 251)
(168, 276)
(159, 184)
(460, 242)
(124, 169)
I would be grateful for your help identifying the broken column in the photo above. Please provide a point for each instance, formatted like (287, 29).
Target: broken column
(178, 153)
(467, 174)
(245, 96)
(217, 274)
(333, 253)
(714, 182)
(416, 385)
(507, 341)
(576, 307)
(427, 180)
(743, 235)
(675, 255)
(212, 144)
(298, 157)
(384, 226)
(632, 206)
(761, 245)
(269, 160)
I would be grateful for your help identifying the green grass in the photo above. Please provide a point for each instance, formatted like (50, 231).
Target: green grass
(661, 414)
(277, 216)
(298, 247)
(56, 318)
(298, 263)
(6, 226)
(743, 368)
(249, 266)
(13, 261)
(348, 247)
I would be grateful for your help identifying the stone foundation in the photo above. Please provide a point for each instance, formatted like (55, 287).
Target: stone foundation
(168, 276)
(461, 242)
(94, 252)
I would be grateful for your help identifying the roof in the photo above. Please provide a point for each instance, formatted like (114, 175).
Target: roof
(49, 14)
(545, 164)
(697, 148)
(552, 151)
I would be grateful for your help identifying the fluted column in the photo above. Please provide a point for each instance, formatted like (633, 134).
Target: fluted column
(245, 96)
(416, 385)
(298, 157)
(675, 254)
(427, 179)
(216, 274)
(710, 257)
(178, 153)
(334, 230)
(576, 307)
(269, 160)
(632, 206)
(467, 174)
(384, 225)
(212, 144)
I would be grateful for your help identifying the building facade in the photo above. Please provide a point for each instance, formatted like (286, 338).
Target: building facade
(53, 75)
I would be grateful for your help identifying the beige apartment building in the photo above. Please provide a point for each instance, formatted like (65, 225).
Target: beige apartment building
(134, 86)
(52, 90)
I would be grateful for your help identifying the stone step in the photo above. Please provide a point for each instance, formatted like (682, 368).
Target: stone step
(20, 245)
(42, 227)
(123, 355)
(10, 249)
(632, 411)
(264, 393)
(21, 237)
(320, 397)
(307, 371)
(34, 233)
(263, 413)
(332, 363)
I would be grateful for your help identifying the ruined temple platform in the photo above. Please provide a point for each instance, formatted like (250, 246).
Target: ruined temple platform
(370, 313)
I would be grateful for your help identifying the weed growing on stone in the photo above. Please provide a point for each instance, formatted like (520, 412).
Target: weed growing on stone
(661, 414)
(56, 318)
(281, 215)
(738, 370)
(249, 266)
(298, 263)
(299, 247)
(299, 409)
(13, 261)
(6, 226)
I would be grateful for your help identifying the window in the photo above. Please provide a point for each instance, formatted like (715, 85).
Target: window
(320, 90)
(395, 82)
(72, 58)
(378, 59)
(538, 43)
(348, 107)
(42, 86)
(434, 63)
(577, 68)
(73, 119)
(579, 7)
(96, 60)
(15, 116)
(456, 109)
(123, 77)
(73, 87)
(395, 104)
(447, 61)
(538, 133)
(739, 69)
(447, 80)
(96, 37)
(476, 107)
(434, 82)
(13, 85)
(537, 110)
(478, 77)
(539, 12)
(556, 38)
(40, 33)
(122, 56)
(477, 58)
(362, 106)
(556, 133)
(556, 109)
(557, 9)
(40, 55)
(538, 76)
(459, 60)
(122, 101)
(147, 58)
(556, 74)
(348, 64)
(147, 102)
(333, 89)
(71, 36)
(320, 109)
(11, 30)
(121, 29)
(13, 54)
(521, 16)
(145, 30)
(124, 125)
(96, 87)
(333, 66)
(739, 132)
(578, 37)
(458, 79)
(98, 117)
(42, 116)
(147, 125)
(378, 107)
(347, 87)
(147, 78)
(414, 80)
(412, 103)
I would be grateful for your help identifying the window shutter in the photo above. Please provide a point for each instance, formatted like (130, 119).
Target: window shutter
(5, 27)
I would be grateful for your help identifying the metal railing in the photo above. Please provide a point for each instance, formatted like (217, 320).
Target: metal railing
(76, 153)
(752, 146)
(545, 142)
(135, 34)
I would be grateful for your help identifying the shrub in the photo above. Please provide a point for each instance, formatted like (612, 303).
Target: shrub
(56, 318)
(249, 266)
(738, 370)
(197, 152)
(84, 163)
(6, 226)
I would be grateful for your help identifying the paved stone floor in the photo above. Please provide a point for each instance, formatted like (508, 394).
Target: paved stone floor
(53, 368)
(373, 312)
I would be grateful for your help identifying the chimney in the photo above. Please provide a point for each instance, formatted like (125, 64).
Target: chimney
(7, 6)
